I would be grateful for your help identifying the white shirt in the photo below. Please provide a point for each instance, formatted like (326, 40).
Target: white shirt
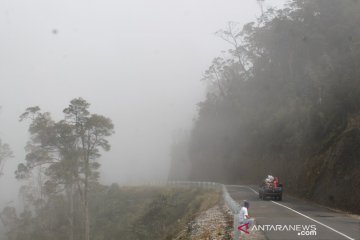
(243, 212)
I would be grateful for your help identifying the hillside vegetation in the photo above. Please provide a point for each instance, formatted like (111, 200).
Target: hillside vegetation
(117, 213)
(147, 213)
(284, 100)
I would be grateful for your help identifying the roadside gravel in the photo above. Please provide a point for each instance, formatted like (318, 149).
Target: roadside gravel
(215, 223)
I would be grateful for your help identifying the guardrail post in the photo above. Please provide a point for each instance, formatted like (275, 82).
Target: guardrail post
(235, 208)
(236, 225)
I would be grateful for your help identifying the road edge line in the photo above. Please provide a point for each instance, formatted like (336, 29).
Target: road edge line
(322, 224)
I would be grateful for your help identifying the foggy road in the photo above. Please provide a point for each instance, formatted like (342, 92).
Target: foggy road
(292, 211)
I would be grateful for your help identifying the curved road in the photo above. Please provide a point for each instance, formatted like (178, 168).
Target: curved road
(291, 212)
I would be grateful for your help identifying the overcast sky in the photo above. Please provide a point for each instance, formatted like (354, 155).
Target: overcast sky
(136, 61)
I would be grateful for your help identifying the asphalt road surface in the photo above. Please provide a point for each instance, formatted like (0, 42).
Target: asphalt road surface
(291, 213)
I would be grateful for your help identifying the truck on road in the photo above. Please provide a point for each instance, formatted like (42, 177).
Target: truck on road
(271, 188)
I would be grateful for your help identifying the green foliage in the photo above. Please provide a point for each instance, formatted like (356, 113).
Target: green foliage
(5, 153)
(117, 213)
(287, 87)
(60, 166)
(146, 213)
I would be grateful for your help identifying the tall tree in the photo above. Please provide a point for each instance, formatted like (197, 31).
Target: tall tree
(92, 131)
(64, 157)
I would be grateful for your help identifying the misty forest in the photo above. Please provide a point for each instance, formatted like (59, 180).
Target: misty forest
(283, 99)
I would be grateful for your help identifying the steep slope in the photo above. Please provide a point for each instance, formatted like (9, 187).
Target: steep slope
(285, 100)
(333, 175)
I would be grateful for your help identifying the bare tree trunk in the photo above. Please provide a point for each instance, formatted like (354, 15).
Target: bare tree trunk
(71, 212)
(87, 222)
(86, 201)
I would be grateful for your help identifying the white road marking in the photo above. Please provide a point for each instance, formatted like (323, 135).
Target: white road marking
(342, 234)
(322, 224)
(253, 190)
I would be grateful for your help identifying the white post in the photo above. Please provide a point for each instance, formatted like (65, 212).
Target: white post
(236, 225)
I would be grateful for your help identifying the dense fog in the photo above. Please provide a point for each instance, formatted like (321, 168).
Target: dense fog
(137, 62)
(138, 119)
